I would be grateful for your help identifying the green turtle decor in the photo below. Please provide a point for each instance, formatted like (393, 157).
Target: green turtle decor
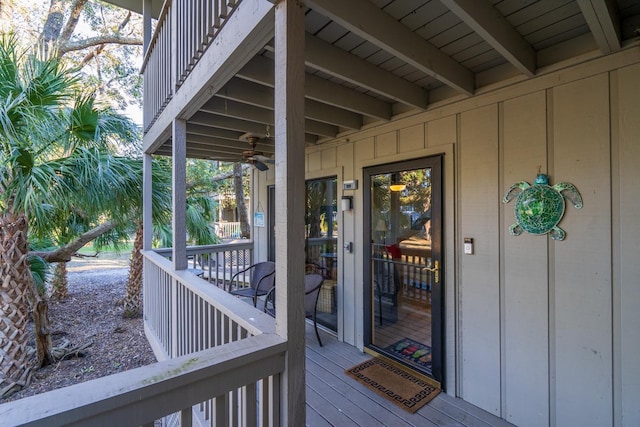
(540, 207)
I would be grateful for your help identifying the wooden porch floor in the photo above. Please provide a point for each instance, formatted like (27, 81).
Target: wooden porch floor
(333, 399)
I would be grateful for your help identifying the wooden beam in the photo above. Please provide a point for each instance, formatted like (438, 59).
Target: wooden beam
(147, 201)
(194, 129)
(237, 146)
(343, 65)
(492, 26)
(260, 70)
(206, 130)
(258, 127)
(368, 21)
(289, 218)
(604, 22)
(262, 96)
(179, 191)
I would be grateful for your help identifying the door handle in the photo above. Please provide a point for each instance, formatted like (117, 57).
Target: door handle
(435, 270)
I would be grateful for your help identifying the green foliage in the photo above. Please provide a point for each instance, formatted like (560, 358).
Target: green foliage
(56, 148)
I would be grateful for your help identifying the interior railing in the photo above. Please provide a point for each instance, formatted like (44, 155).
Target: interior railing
(184, 30)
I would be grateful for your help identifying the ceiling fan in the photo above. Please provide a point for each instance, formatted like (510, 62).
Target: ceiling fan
(255, 158)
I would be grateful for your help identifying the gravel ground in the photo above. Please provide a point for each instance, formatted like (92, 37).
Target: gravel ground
(92, 314)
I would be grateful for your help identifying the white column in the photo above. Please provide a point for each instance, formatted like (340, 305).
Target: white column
(179, 196)
(290, 160)
(147, 203)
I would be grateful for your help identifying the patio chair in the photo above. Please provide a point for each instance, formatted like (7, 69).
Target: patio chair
(388, 282)
(262, 279)
(312, 285)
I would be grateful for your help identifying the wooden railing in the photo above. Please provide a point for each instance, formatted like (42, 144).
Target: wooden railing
(222, 365)
(218, 263)
(157, 70)
(227, 230)
(183, 32)
(185, 314)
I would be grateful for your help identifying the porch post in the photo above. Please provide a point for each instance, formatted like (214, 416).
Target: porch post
(147, 205)
(146, 25)
(289, 209)
(178, 190)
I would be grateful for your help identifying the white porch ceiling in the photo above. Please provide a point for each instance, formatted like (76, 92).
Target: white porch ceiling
(368, 60)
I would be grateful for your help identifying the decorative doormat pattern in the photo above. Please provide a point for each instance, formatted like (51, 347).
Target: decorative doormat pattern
(412, 351)
(403, 389)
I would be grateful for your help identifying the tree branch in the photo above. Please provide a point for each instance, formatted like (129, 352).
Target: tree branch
(64, 253)
(227, 175)
(95, 41)
(69, 28)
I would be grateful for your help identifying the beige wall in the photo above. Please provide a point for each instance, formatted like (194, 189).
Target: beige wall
(537, 331)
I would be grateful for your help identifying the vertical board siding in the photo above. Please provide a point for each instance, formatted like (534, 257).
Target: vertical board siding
(479, 281)
(526, 338)
(441, 131)
(627, 275)
(386, 144)
(411, 138)
(583, 304)
(329, 159)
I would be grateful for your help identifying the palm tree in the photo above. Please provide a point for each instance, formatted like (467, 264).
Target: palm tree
(55, 146)
(200, 211)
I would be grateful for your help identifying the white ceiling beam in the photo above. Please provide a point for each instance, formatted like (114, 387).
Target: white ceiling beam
(336, 62)
(261, 70)
(368, 21)
(262, 96)
(604, 22)
(493, 27)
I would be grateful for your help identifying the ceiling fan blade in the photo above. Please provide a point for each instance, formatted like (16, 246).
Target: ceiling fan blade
(260, 166)
(263, 158)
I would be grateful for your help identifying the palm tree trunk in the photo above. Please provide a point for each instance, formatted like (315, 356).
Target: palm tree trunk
(133, 297)
(16, 283)
(60, 284)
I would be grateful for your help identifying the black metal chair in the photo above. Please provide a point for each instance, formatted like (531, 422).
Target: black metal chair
(262, 279)
(312, 285)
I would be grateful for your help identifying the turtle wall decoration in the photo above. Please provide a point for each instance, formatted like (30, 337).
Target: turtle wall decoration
(540, 207)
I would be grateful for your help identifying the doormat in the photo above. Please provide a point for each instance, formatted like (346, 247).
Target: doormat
(400, 387)
(412, 351)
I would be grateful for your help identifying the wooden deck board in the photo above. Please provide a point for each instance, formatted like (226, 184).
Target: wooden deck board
(335, 399)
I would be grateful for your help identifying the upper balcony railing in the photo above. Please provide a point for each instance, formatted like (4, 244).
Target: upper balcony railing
(184, 30)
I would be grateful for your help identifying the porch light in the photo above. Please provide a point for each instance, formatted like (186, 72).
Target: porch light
(346, 203)
(397, 186)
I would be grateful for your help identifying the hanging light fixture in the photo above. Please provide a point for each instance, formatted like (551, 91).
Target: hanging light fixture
(396, 185)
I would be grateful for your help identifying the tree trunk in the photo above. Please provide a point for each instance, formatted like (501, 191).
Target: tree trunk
(16, 283)
(240, 205)
(60, 284)
(52, 26)
(133, 297)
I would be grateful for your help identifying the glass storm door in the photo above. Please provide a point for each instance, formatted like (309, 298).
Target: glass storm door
(403, 264)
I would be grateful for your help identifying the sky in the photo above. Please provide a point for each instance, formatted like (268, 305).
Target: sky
(26, 19)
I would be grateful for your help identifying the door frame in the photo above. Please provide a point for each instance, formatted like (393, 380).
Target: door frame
(438, 292)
